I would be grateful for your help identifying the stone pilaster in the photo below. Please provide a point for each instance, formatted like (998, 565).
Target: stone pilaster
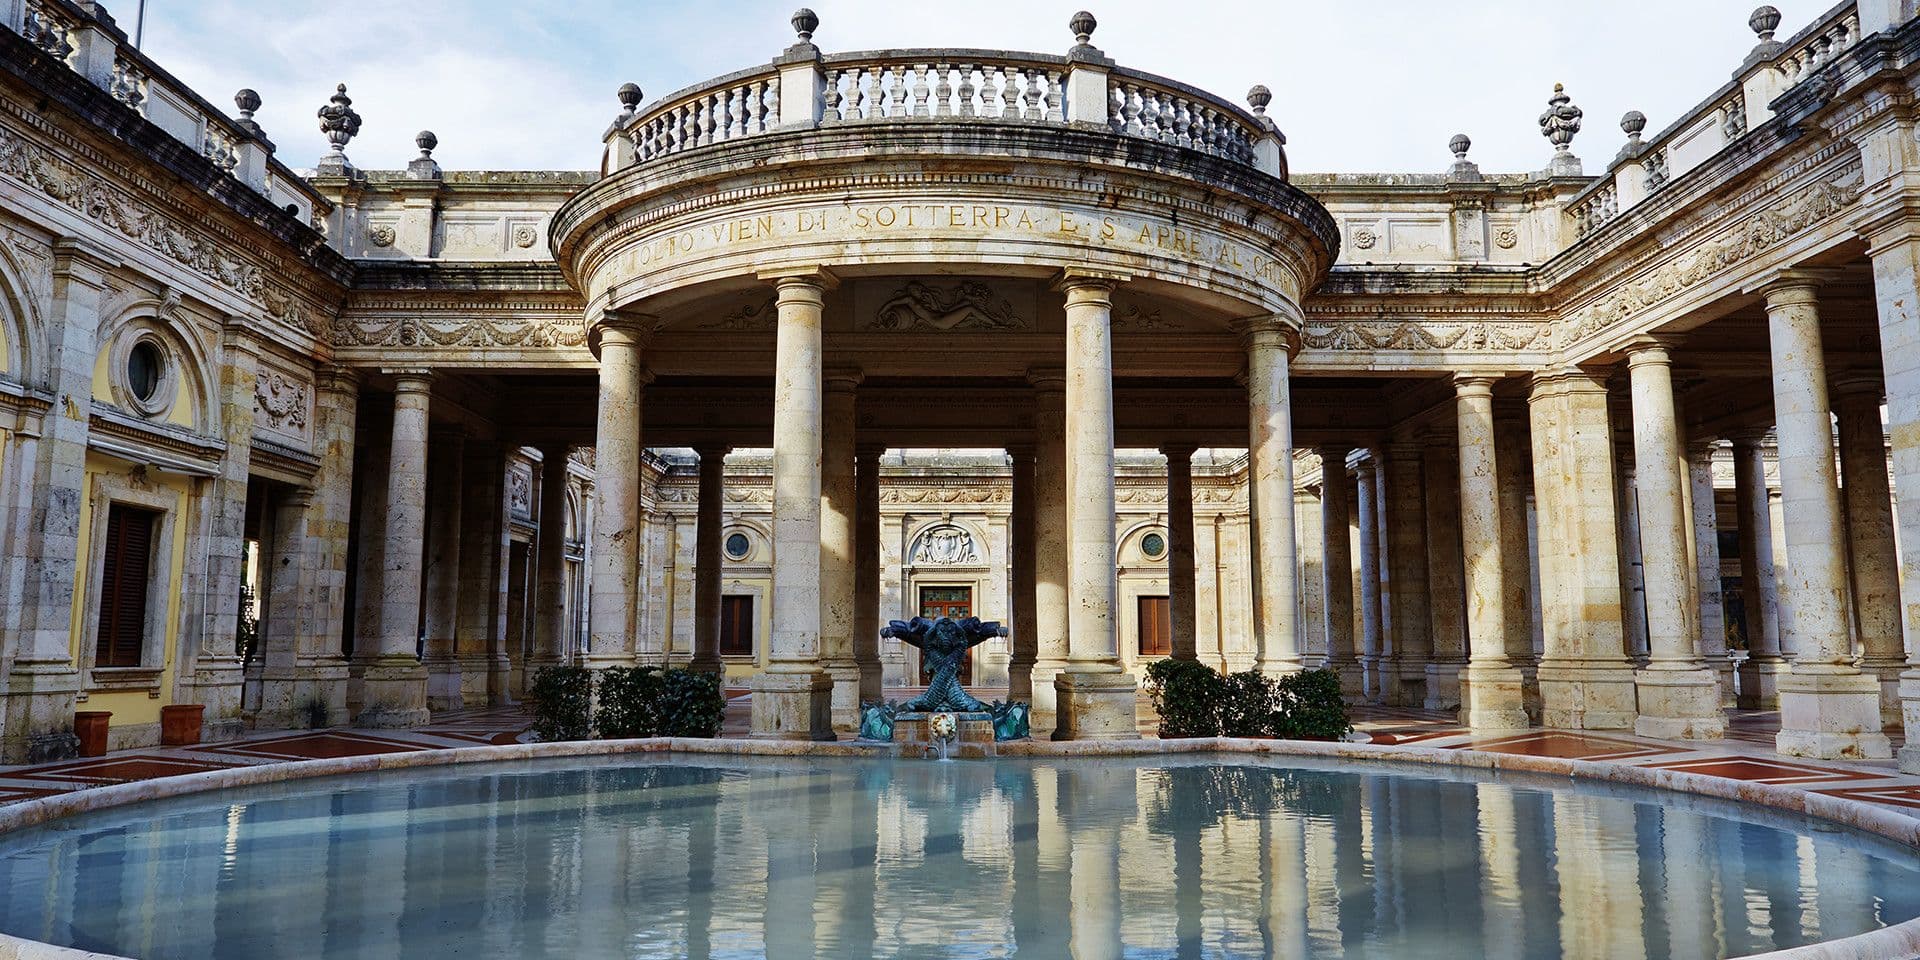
(393, 685)
(1760, 672)
(1405, 597)
(1586, 680)
(481, 630)
(1095, 698)
(613, 604)
(1869, 511)
(288, 588)
(1446, 592)
(1828, 708)
(708, 562)
(1679, 696)
(550, 563)
(866, 571)
(1894, 245)
(837, 546)
(321, 655)
(1336, 552)
(1049, 539)
(1492, 689)
(1026, 649)
(1309, 612)
(793, 699)
(1516, 549)
(215, 678)
(1181, 600)
(1270, 343)
(1374, 665)
(446, 464)
(1712, 614)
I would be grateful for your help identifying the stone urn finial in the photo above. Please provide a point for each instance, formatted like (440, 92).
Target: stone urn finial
(423, 167)
(1632, 122)
(629, 94)
(1764, 21)
(1459, 145)
(1258, 96)
(1558, 124)
(1462, 169)
(340, 123)
(805, 22)
(426, 141)
(247, 101)
(1083, 24)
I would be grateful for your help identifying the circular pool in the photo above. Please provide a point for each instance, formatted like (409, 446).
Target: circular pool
(667, 855)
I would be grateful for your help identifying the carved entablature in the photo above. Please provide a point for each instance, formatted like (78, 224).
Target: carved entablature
(283, 405)
(1389, 333)
(945, 495)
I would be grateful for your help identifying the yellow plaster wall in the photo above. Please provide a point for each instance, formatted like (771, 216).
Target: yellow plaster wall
(133, 706)
(181, 412)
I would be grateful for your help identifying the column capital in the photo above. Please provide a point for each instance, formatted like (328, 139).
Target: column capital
(1648, 348)
(1182, 450)
(1697, 446)
(1266, 327)
(1089, 284)
(1567, 379)
(337, 378)
(1474, 383)
(92, 260)
(1047, 379)
(1749, 436)
(622, 327)
(300, 497)
(1856, 384)
(841, 379)
(708, 451)
(1020, 452)
(869, 450)
(238, 335)
(800, 279)
(1789, 284)
(410, 379)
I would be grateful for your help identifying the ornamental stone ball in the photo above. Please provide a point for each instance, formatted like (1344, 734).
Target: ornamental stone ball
(1459, 145)
(804, 22)
(1764, 21)
(1258, 97)
(1633, 122)
(629, 94)
(247, 101)
(426, 141)
(1082, 25)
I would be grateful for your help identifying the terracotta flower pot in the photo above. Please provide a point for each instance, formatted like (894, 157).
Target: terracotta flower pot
(180, 724)
(91, 727)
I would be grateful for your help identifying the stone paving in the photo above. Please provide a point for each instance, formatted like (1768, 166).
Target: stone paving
(1746, 755)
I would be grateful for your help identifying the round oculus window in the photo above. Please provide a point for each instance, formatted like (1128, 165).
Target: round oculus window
(737, 546)
(1153, 545)
(143, 371)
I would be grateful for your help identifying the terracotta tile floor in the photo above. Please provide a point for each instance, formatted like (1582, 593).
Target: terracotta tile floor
(1746, 755)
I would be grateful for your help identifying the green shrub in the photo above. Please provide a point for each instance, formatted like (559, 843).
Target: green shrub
(1308, 706)
(651, 702)
(1187, 695)
(561, 698)
(1248, 706)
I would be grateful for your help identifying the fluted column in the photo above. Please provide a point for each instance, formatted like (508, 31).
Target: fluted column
(1270, 342)
(837, 508)
(394, 685)
(1095, 698)
(613, 609)
(1373, 662)
(1876, 576)
(1586, 680)
(550, 603)
(1828, 708)
(1181, 601)
(1049, 539)
(1336, 568)
(793, 698)
(1492, 693)
(1446, 593)
(445, 471)
(1405, 600)
(1679, 696)
(1760, 672)
(1712, 615)
(866, 570)
(1026, 650)
(708, 560)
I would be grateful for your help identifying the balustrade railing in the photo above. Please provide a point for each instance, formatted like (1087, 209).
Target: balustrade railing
(1818, 48)
(1143, 106)
(862, 87)
(1597, 209)
(742, 108)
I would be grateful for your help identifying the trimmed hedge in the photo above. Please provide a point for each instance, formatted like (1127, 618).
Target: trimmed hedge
(571, 703)
(1194, 700)
(562, 701)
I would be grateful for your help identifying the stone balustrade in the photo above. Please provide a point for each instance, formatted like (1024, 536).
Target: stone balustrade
(805, 90)
(1818, 45)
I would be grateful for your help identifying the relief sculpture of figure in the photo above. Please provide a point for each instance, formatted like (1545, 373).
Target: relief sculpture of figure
(944, 643)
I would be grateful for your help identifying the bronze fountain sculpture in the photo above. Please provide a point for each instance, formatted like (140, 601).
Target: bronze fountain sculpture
(944, 643)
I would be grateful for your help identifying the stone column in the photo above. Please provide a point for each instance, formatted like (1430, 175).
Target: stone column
(837, 545)
(1492, 690)
(613, 604)
(1405, 599)
(444, 533)
(550, 609)
(1760, 672)
(1049, 539)
(1373, 663)
(322, 657)
(793, 699)
(1309, 610)
(1679, 696)
(1026, 651)
(1895, 249)
(866, 571)
(708, 562)
(1095, 698)
(1336, 505)
(1869, 509)
(1828, 708)
(1270, 343)
(1706, 555)
(1586, 680)
(288, 567)
(480, 636)
(394, 684)
(1516, 550)
(1446, 593)
(1181, 602)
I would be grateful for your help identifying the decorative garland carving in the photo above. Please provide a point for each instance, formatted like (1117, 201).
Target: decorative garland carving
(996, 494)
(1135, 320)
(752, 316)
(1410, 335)
(1750, 237)
(966, 305)
(280, 402)
(457, 332)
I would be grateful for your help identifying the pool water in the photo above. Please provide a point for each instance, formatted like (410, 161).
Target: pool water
(834, 857)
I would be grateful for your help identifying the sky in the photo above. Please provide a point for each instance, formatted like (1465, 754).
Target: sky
(1358, 85)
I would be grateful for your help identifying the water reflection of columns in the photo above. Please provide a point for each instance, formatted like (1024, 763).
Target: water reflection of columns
(1500, 888)
(1600, 898)
(1047, 895)
(1688, 896)
(1093, 803)
(791, 878)
(1284, 880)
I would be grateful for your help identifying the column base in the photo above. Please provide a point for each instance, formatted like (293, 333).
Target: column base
(393, 693)
(1587, 695)
(1045, 715)
(1493, 698)
(1760, 682)
(1375, 678)
(443, 683)
(1530, 688)
(1443, 685)
(39, 713)
(1723, 673)
(871, 690)
(1831, 716)
(1679, 704)
(1887, 672)
(846, 695)
(1407, 685)
(476, 680)
(313, 696)
(711, 665)
(792, 706)
(1097, 706)
(1910, 714)
(217, 683)
(1352, 679)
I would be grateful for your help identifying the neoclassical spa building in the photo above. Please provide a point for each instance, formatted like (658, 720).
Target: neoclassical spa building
(1037, 337)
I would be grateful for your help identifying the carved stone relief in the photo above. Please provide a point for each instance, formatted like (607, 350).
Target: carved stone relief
(281, 403)
(945, 546)
(1409, 335)
(962, 305)
(457, 332)
(759, 315)
(945, 495)
(520, 490)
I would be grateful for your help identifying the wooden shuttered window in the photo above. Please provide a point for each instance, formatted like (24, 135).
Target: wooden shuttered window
(1156, 627)
(736, 626)
(123, 587)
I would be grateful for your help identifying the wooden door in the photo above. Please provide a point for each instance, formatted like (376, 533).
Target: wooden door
(952, 602)
(1156, 627)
